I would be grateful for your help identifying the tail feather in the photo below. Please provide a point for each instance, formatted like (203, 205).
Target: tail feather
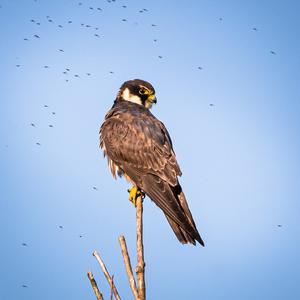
(181, 235)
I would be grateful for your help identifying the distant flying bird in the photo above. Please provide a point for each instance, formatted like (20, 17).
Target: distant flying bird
(24, 286)
(45, 105)
(97, 35)
(111, 72)
(139, 147)
(76, 75)
(46, 67)
(69, 22)
(38, 144)
(273, 52)
(80, 236)
(53, 113)
(25, 39)
(61, 50)
(153, 25)
(124, 6)
(220, 19)
(155, 40)
(38, 23)
(36, 36)
(24, 244)
(200, 68)
(124, 20)
(159, 56)
(50, 125)
(60, 26)
(88, 74)
(32, 124)
(18, 66)
(279, 225)
(60, 227)
(254, 28)
(68, 69)
(211, 104)
(94, 188)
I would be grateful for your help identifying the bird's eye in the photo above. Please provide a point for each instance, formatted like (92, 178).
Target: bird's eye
(142, 91)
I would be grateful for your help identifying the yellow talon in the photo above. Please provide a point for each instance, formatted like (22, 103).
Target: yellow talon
(134, 193)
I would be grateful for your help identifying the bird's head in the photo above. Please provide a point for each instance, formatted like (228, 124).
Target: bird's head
(137, 91)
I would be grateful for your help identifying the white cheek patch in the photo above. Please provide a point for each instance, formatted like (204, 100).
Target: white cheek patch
(126, 95)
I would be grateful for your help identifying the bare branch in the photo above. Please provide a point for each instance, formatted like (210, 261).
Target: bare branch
(108, 277)
(111, 290)
(94, 286)
(128, 267)
(140, 268)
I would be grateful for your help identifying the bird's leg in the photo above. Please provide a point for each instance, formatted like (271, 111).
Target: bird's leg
(134, 193)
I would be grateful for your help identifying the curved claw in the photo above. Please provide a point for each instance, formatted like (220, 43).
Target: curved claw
(134, 193)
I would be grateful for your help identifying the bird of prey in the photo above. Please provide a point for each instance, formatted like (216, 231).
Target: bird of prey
(139, 147)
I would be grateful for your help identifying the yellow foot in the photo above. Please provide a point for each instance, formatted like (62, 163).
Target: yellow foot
(134, 193)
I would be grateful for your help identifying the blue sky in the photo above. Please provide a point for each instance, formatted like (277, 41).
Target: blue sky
(239, 156)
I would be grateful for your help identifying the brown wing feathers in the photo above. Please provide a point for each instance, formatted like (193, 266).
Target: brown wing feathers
(140, 145)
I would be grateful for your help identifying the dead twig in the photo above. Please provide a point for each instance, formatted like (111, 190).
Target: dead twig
(94, 286)
(108, 277)
(140, 267)
(128, 267)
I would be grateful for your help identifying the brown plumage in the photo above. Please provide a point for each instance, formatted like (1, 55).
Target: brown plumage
(139, 146)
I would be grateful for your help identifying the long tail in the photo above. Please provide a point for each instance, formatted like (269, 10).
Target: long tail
(183, 236)
(174, 205)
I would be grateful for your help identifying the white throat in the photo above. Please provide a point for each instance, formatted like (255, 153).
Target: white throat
(126, 95)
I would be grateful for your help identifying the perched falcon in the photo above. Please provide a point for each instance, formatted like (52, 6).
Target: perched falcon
(139, 147)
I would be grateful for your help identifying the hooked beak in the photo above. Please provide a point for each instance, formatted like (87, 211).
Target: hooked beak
(152, 99)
